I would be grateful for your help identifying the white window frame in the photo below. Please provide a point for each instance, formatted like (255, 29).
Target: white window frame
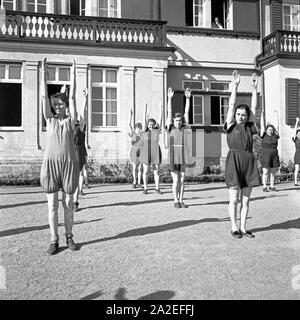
(228, 23)
(290, 5)
(192, 89)
(19, 81)
(82, 11)
(36, 6)
(109, 11)
(56, 81)
(14, 2)
(220, 110)
(225, 82)
(203, 13)
(202, 97)
(104, 85)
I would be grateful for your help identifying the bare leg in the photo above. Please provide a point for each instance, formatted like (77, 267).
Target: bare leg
(145, 175)
(181, 186)
(272, 176)
(245, 197)
(134, 172)
(265, 177)
(139, 173)
(80, 182)
(67, 201)
(232, 208)
(52, 199)
(156, 176)
(175, 177)
(296, 173)
(85, 175)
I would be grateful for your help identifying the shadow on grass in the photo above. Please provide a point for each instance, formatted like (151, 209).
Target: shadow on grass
(290, 224)
(15, 205)
(21, 230)
(154, 229)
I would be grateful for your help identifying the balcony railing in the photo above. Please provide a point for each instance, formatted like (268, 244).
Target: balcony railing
(282, 42)
(83, 30)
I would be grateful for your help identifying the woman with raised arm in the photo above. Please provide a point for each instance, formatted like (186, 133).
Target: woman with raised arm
(60, 167)
(296, 140)
(177, 141)
(269, 156)
(79, 142)
(150, 152)
(241, 172)
(135, 135)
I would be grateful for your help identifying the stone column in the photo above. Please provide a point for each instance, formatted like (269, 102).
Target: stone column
(30, 97)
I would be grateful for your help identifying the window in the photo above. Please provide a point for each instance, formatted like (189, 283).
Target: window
(109, 8)
(197, 109)
(57, 76)
(219, 109)
(10, 4)
(10, 95)
(291, 17)
(219, 86)
(193, 85)
(198, 13)
(104, 98)
(39, 6)
(78, 7)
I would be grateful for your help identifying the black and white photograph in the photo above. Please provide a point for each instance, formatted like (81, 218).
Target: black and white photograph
(149, 153)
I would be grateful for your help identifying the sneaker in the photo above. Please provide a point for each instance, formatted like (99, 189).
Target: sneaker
(145, 191)
(71, 244)
(177, 205)
(248, 234)
(273, 189)
(265, 190)
(134, 186)
(158, 191)
(236, 234)
(53, 248)
(76, 206)
(183, 205)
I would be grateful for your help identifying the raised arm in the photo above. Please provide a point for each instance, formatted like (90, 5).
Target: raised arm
(130, 123)
(234, 86)
(145, 117)
(83, 111)
(187, 94)
(296, 126)
(44, 91)
(276, 122)
(169, 107)
(262, 123)
(72, 101)
(160, 115)
(254, 82)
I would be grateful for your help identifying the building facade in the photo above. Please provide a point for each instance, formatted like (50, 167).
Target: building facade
(128, 52)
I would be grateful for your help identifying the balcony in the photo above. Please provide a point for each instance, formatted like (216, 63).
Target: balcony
(280, 44)
(95, 31)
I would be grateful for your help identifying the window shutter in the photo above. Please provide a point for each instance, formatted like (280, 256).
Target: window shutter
(292, 100)
(276, 15)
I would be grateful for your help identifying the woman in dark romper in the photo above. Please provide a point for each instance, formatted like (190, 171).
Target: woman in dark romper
(179, 141)
(150, 152)
(296, 140)
(134, 154)
(241, 172)
(269, 156)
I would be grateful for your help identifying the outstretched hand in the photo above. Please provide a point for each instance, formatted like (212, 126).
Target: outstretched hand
(254, 80)
(85, 92)
(170, 93)
(188, 92)
(297, 119)
(73, 67)
(236, 77)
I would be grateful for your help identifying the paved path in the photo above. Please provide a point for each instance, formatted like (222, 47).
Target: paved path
(136, 246)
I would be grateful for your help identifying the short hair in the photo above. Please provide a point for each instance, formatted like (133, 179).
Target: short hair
(152, 120)
(245, 107)
(59, 96)
(270, 126)
(138, 125)
(177, 115)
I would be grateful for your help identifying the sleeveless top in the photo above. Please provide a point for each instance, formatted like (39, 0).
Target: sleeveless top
(269, 142)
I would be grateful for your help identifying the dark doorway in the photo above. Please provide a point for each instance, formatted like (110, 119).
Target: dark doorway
(217, 11)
